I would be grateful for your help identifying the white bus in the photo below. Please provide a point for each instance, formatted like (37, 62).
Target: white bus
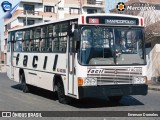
(92, 55)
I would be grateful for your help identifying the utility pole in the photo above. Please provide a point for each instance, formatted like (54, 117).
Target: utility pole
(26, 17)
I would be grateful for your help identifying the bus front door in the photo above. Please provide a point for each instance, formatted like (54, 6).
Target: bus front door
(70, 70)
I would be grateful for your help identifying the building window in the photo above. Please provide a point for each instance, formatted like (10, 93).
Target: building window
(18, 41)
(49, 9)
(29, 22)
(29, 9)
(73, 10)
(90, 11)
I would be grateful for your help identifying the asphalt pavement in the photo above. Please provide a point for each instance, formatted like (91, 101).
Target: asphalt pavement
(13, 99)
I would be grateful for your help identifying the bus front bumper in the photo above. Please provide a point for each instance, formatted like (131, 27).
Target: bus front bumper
(112, 90)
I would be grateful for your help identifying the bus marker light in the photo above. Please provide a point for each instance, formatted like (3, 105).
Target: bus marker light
(82, 19)
(141, 22)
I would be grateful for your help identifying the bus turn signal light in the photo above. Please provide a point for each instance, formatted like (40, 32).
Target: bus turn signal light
(80, 81)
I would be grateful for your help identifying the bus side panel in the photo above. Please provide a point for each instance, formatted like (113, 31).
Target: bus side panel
(39, 79)
(16, 74)
(40, 76)
(45, 80)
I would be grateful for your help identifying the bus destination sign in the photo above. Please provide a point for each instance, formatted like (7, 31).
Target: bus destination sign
(109, 20)
(120, 22)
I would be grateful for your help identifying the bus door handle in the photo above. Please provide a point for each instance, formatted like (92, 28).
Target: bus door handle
(71, 72)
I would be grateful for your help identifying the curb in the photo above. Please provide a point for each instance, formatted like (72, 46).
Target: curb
(155, 89)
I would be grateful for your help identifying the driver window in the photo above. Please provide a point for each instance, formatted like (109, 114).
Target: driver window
(131, 38)
(87, 38)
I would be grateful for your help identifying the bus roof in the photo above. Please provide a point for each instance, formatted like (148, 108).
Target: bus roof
(76, 17)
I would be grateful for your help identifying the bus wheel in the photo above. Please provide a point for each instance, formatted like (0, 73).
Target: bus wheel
(25, 87)
(115, 98)
(61, 95)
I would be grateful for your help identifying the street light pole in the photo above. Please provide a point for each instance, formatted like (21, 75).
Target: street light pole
(57, 8)
(80, 7)
(26, 17)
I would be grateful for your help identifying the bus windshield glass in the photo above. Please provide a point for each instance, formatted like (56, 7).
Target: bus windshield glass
(111, 46)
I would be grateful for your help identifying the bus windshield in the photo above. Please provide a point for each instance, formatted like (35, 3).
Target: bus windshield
(111, 46)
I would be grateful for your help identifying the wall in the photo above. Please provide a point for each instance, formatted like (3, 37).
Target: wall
(15, 23)
(38, 7)
(150, 16)
(84, 10)
(20, 21)
(153, 62)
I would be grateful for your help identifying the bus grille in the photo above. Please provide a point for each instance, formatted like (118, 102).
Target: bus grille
(116, 75)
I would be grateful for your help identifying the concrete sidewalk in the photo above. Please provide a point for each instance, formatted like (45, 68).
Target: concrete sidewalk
(152, 85)
(2, 68)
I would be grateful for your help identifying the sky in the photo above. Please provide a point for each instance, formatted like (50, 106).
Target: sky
(13, 2)
(110, 4)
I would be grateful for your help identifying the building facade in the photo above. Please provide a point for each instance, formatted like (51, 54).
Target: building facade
(33, 12)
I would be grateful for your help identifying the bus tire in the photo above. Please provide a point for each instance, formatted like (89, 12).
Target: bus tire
(25, 87)
(61, 94)
(115, 98)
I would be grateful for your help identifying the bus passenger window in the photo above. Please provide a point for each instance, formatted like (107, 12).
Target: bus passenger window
(36, 45)
(18, 46)
(55, 45)
(18, 41)
(42, 45)
(50, 44)
(25, 45)
(50, 30)
(63, 44)
(32, 45)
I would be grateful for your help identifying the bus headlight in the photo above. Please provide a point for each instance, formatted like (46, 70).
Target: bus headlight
(90, 82)
(139, 80)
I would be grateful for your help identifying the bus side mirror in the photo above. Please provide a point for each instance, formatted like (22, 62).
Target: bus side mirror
(76, 35)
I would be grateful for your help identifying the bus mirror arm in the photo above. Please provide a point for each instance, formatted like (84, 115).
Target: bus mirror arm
(76, 35)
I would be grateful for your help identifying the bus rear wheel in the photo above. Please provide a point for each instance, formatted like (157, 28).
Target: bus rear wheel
(61, 94)
(24, 86)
